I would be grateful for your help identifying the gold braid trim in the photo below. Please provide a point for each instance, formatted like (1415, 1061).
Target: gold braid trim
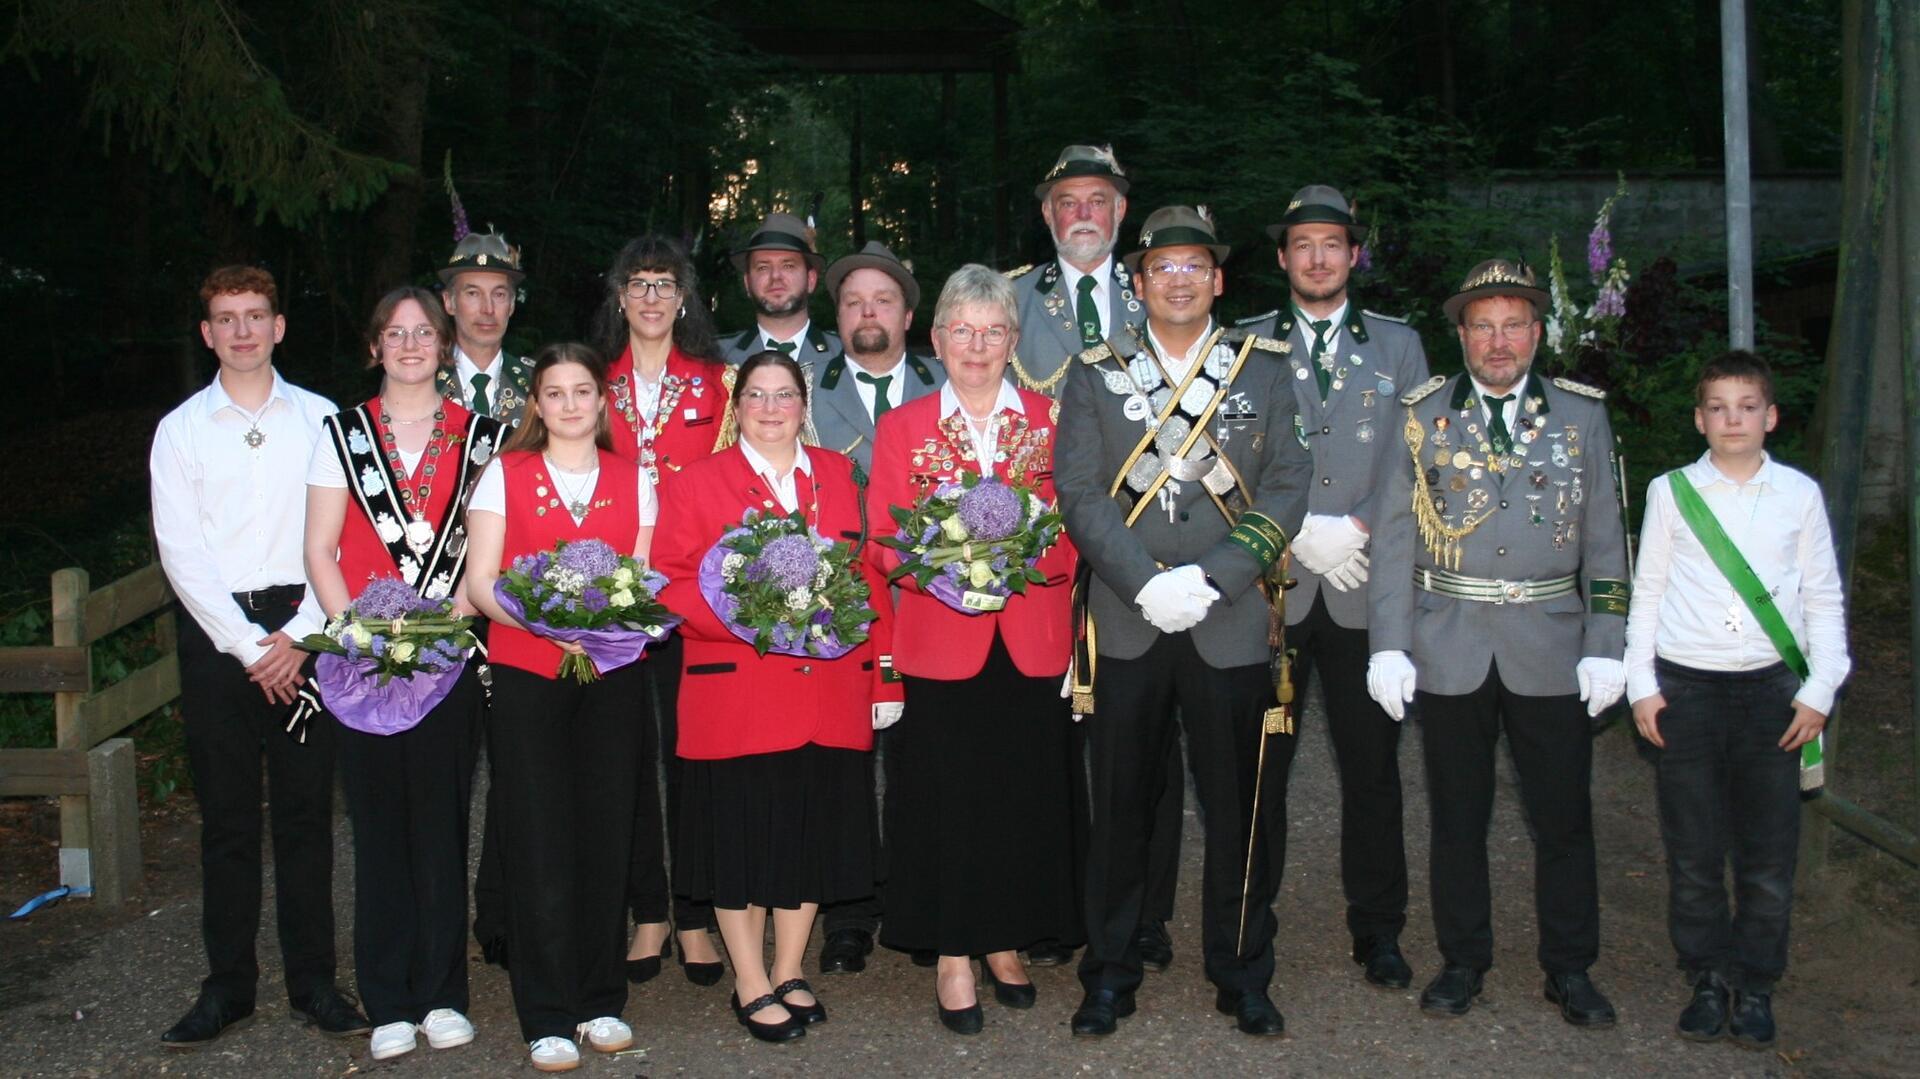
(1441, 538)
(1045, 386)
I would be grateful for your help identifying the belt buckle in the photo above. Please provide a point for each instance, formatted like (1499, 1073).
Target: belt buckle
(247, 601)
(1513, 591)
(1502, 589)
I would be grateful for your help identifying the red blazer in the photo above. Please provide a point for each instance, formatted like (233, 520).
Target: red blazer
(733, 702)
(913, 450)
(693, 403)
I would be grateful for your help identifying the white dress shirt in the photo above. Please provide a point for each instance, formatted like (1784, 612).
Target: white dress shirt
(490, 492)
(1337, 322)
(1102, 291)
(1178, 366)
(464, 369)
(895, 389)
(229, 517)
(768, 340)
(785, 487)
(1683, 609)
(985, 443)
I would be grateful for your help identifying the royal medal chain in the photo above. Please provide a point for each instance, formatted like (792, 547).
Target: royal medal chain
(414, 497)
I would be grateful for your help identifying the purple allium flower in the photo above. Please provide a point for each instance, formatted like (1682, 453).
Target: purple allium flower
(991, 511)
(590, 558)
(789, 561)
(389, 598)
(593, 599)
(1599, 250)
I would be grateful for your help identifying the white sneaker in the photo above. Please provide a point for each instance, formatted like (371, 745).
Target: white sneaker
(446, 1028)
(606, 1034)
(391, 1040)
(555, 1055)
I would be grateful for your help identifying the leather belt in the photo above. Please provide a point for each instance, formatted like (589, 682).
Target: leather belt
(265, 599)
(1491, 589)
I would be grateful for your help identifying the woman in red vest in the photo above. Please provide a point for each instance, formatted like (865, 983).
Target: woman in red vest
(779, 810)
(668, 406)
(563, 751)
(979, 819)
(386, 498)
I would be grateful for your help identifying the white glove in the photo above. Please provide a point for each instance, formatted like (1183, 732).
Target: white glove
(1350, 574)
(1176, 600)
(1390, 681)
(1602, 681)
(887, 713)
(1325, 541)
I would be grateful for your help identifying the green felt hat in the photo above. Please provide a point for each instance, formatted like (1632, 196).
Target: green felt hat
(1315, 204)
(874, 256)
(1084, 161)
(482, 252)
(779, 232)
(1176, 226)
(1497, 277)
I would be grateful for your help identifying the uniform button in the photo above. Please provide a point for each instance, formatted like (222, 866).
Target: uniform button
(1326, 481)
(1183, 515)
(1326, 430)
(807, 668)
(1503, 503)
(1500, 550)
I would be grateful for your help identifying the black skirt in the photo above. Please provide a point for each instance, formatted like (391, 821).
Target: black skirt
(979, 817)
(776, 829)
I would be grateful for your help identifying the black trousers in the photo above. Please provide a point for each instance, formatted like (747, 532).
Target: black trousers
(1163, 842)
(648, 885)
(1366, 749)
(489, 898)
(407, 795)
(231, 726)
(563, 763)
(1552, 746)
(1128, 735)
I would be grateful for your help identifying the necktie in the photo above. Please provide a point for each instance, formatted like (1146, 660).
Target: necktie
(1322, 373)
(783, 346)
(879, 384)
(1497, 433)
(480, 402)
(1087, 313)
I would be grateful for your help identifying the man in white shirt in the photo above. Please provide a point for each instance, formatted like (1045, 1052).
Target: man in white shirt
(1726, 711)
(229, 511)
(480, 286)
(780, 270)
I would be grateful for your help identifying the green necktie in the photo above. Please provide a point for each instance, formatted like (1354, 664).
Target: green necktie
(1497, 433)
(879, 384)
(480, 403)
(783, 346)
(1322, 376)
(1088, 314)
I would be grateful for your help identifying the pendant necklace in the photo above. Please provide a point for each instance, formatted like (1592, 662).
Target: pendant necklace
(576, 504)
(414, 497)
(254, 436)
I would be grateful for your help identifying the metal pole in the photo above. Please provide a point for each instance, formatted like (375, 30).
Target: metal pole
(1733, 93)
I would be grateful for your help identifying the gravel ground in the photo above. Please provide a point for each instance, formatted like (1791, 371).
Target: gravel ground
(85, 992)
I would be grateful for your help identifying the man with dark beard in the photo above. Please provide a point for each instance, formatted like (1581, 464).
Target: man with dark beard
(876, 295)
(780, 270)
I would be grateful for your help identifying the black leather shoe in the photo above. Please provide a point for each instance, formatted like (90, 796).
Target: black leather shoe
(785, 1030)
(330, 1011)
(1048, 953)
(806, 1013)
(1009, 994)
(1156, 947)
(845, 951)
(1100, 1013)
(1705, 1019)
(1751, 1023)
(1452, 992)
(209, 1018)
(967, 1020)
(1386, 967)
(1252, 1010)
(1580, 1003)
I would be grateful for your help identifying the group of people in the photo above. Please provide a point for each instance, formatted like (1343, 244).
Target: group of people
(1248, 509)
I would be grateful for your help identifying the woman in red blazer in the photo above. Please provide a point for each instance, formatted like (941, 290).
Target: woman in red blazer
(979, 822)
(667, 400)
(778, 812)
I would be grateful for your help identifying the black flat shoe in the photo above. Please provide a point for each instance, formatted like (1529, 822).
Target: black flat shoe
(1751, 1023)
(785, 1030)
(1155, 946)
(1100, 1013)
(1386, 967)
(1048, 953)
(1705, 1017)
(209, 1018)
(967, 1020)
(1451, 993)
(647, 968)
(845, 951)
(808, 1014)
(1580, 1002)
(1009, 994)
(1252, 1010)
(328, 1010)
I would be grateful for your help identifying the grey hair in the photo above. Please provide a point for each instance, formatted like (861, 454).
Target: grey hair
(977, 284)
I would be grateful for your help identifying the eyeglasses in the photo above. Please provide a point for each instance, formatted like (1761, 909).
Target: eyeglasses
(1198, 273)
(395, 337)
(666, 289)
(1483, 331)
(962, 334)
(780, 399)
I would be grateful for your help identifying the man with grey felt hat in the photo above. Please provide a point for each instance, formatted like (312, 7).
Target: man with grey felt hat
(780, 270)
(875, 296)
(480, 286)
(1348, 369)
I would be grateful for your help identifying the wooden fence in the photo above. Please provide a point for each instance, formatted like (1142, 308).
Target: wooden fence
(90, 769)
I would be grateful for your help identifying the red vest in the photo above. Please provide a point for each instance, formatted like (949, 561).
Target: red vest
(692, 401)
(529, 530)
(362, 556)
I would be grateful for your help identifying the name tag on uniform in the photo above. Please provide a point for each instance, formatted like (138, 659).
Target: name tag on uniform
(689, 413)
(980, 601)
(1238, 408)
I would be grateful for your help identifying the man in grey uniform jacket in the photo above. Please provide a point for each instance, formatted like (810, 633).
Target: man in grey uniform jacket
(1500, 565)
(1349, 368)
(780, 270)
(876, 296)
(1180, 479)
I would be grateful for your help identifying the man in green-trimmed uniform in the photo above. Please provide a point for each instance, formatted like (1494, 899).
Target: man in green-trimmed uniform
(1181, 481)
(1501, 499)
(780, 270)
(480, 285)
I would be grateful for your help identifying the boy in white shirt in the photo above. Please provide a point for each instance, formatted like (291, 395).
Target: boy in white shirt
(1725, 708)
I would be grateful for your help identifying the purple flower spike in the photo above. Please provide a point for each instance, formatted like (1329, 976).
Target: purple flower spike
(594, 599)
(991, 511)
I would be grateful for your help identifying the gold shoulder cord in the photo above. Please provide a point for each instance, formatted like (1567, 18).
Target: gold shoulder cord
(1028, 382)
(1441, 538)
(729, 424)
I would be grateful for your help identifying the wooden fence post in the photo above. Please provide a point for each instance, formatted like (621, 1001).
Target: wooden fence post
(70, 588)
(115, 819)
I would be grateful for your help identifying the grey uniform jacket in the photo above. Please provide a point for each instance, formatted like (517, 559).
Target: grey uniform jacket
(1553, 515)
(512, 385)
(841, 418)
(1095, 440)
(1377, 359)
(818, 346)
(1048, 335)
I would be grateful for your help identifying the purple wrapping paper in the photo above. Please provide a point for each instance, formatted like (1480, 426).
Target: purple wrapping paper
(713, 588)
(609, 647)
(353, 693)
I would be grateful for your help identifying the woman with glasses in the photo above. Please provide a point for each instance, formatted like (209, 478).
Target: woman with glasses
(411, 455)
(778, 813)
(979, 823)
(667, 401)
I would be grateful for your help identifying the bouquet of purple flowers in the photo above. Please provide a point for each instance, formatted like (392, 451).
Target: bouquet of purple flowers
(389, 657)
(586, 592)
(972, 543)
(785, 588)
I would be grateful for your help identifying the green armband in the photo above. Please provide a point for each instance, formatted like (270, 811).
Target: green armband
(1260, 536)
(887, 673)
(1607, 596)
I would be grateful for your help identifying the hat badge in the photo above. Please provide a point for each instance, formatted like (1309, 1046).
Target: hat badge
(1292, 206)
